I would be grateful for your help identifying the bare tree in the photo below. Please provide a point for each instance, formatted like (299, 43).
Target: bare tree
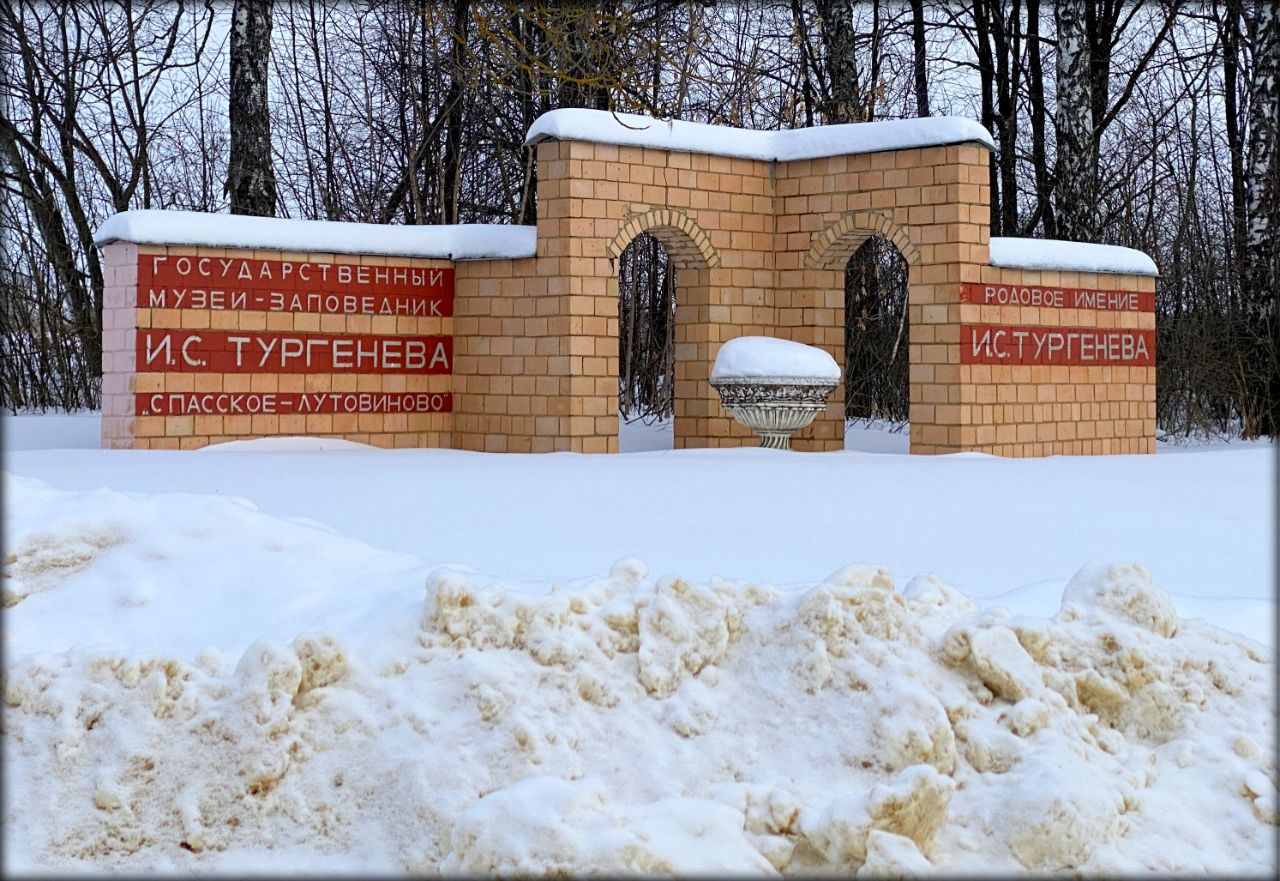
(1044, 187)
(646, 350)
(91, 96)
(920, 58)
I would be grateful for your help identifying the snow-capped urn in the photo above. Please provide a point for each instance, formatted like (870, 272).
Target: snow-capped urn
(774, 387)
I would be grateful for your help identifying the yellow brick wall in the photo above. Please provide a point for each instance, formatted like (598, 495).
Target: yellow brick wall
(932, 203)
(760, 249)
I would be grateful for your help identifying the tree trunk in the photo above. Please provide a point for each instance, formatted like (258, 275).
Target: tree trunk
(251, 180)
(838, 43)
(1006, 37)
(1077, 170)
(1262, 252)
(1230, 28)
(1035, 93)
(986, 78)
(920, 60)
(585, 49)
(528, 89)
(452, 183)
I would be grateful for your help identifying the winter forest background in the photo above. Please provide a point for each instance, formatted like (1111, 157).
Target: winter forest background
(1149, 125)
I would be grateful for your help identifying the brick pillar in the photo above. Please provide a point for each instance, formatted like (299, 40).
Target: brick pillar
(813, 313)
(953, 249)
(579, 308)
(119, 318)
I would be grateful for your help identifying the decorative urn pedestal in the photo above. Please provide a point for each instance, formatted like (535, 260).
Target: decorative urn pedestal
(774, 387)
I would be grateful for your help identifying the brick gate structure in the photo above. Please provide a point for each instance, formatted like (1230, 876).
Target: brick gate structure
(499, 339)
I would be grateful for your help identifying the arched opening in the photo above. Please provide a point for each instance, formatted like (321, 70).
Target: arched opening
(867, 256)
(670, 267)
(646, 346)
(876, 350)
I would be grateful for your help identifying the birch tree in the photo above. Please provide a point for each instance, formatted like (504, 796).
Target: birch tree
(1077, 169)
(251, 179)
(1262, 252)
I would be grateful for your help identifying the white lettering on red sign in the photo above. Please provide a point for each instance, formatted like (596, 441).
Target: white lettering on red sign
(1056, 298)
(987, 344)
(280, 403)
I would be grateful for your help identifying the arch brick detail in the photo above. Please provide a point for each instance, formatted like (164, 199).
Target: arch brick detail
(687, 244)
(835, 244)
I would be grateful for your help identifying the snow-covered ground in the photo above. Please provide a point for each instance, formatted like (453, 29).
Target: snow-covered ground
(305, 656)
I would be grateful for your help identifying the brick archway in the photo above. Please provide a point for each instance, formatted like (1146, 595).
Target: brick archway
(825, 264)
(692, 257)
(684, 240)
(1017, 348)
(838, 240)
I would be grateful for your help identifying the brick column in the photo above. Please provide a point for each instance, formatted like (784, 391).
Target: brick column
(119, 339)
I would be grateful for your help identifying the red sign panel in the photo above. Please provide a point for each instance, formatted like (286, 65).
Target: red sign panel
(1057, 298)
(1074, 346)
(234, 284)
(289, 403)
(233, 351)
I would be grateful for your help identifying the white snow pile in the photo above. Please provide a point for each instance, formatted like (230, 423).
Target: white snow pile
(462, 241)
(1074, 256)
(192, 684)
(758, 357)
(632, 130)
(288, 443)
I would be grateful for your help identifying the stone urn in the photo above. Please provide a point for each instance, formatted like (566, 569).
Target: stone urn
(774, 387)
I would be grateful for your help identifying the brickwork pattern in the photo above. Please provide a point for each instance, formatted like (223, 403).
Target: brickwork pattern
(516, 355)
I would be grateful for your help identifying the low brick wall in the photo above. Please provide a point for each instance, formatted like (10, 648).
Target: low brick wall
(1072, 373)
(204, 345)
(520, 354)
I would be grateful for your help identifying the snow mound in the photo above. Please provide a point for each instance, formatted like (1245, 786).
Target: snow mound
(353, 707)
(463, 241)
(177, 574)
(769, 357)
(287, 444)
(1074, 256)
(551, 826)
(79, 430)
(629, 129)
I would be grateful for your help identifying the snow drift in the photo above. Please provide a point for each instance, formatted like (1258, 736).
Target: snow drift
(612, 724)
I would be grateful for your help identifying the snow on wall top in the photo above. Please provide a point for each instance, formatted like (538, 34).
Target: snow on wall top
(631, 130)
(475, 241)
(1075, 256)
(464, 241)
(762, 356)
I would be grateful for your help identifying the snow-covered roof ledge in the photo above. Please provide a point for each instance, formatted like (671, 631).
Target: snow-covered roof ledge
(1072, 256)
(631, 130)
(464, 241)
